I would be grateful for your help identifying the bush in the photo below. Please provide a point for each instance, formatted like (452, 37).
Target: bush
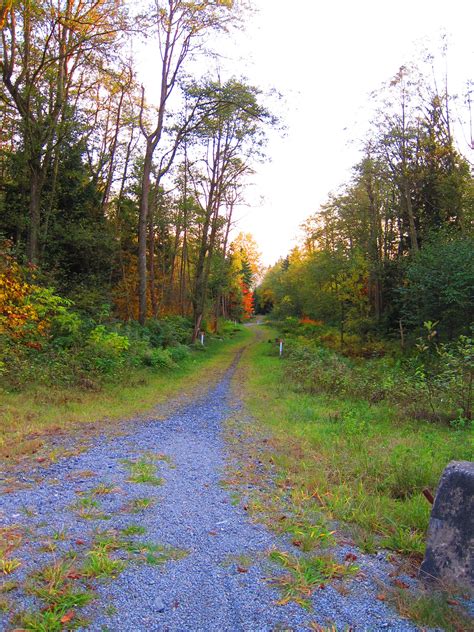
(179, 354)
(168, 332)
(317, 370)
(158, 359)
(66, 329)
(106, 350)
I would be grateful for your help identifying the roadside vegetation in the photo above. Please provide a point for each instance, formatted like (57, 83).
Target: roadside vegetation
(374, 394)
(347, 448)
(356, 438)
(60, 368)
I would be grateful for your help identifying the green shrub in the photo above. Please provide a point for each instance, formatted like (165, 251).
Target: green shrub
(66, 329)
(168, 332)
(317, 370)
(106, 350)
(179, 354)
(158, 359)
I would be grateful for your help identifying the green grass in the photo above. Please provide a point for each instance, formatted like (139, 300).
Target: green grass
(433, 609)
(28, 417)
(305, 575)
(98, 563)
(54, 586)
(134, 529)
(89, 508)
(142, 471)
(349, 459)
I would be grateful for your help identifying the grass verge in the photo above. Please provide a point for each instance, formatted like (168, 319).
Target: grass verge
(305, 575)
(345, 459)
(27, 418)
(355, 460)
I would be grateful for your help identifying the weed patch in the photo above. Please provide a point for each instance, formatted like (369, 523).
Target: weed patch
(133, 529)
(305, 575)
(89, 508)
(102, 489)
(137, 505)
(55, 586)
(98, 563)
(142, 471)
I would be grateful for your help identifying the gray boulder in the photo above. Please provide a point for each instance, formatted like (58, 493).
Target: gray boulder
(449, 553)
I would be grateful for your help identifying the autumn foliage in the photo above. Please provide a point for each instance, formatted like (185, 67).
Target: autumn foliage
(20, 318)
(248, 302)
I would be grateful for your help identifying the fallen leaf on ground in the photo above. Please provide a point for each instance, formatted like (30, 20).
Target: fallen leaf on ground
(69, 616)
(399, 584)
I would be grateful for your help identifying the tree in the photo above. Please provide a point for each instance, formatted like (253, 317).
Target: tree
(438, 285)
(229, 138)
(50, 55)
(180, 25)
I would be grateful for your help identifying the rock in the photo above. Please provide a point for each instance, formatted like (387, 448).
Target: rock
(159, 605)
(450, 545)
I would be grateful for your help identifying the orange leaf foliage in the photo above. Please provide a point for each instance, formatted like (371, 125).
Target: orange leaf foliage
(17, 315)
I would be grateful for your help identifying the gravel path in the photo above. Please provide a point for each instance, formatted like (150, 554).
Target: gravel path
(215, 577)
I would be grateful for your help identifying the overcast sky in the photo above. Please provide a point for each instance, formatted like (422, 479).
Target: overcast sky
(325, 58)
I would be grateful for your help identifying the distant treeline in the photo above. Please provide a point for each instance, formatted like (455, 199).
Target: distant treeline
(393, 248)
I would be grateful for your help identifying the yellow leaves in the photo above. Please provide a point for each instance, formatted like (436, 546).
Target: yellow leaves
(18, 317)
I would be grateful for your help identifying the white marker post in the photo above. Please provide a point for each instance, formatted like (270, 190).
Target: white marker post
(281, 348)
(202, 338)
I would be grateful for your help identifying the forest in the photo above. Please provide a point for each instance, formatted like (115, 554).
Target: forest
(117, 231)
(116, 210)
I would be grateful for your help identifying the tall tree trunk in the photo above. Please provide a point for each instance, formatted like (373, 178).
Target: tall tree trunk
(36, 186)
(113, 151)
(154, 302)
(142, 234)
(411, 217)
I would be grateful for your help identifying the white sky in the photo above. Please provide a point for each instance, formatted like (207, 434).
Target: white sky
(325, 58)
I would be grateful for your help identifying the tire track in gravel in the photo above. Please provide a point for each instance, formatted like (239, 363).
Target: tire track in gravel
(206, 590)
